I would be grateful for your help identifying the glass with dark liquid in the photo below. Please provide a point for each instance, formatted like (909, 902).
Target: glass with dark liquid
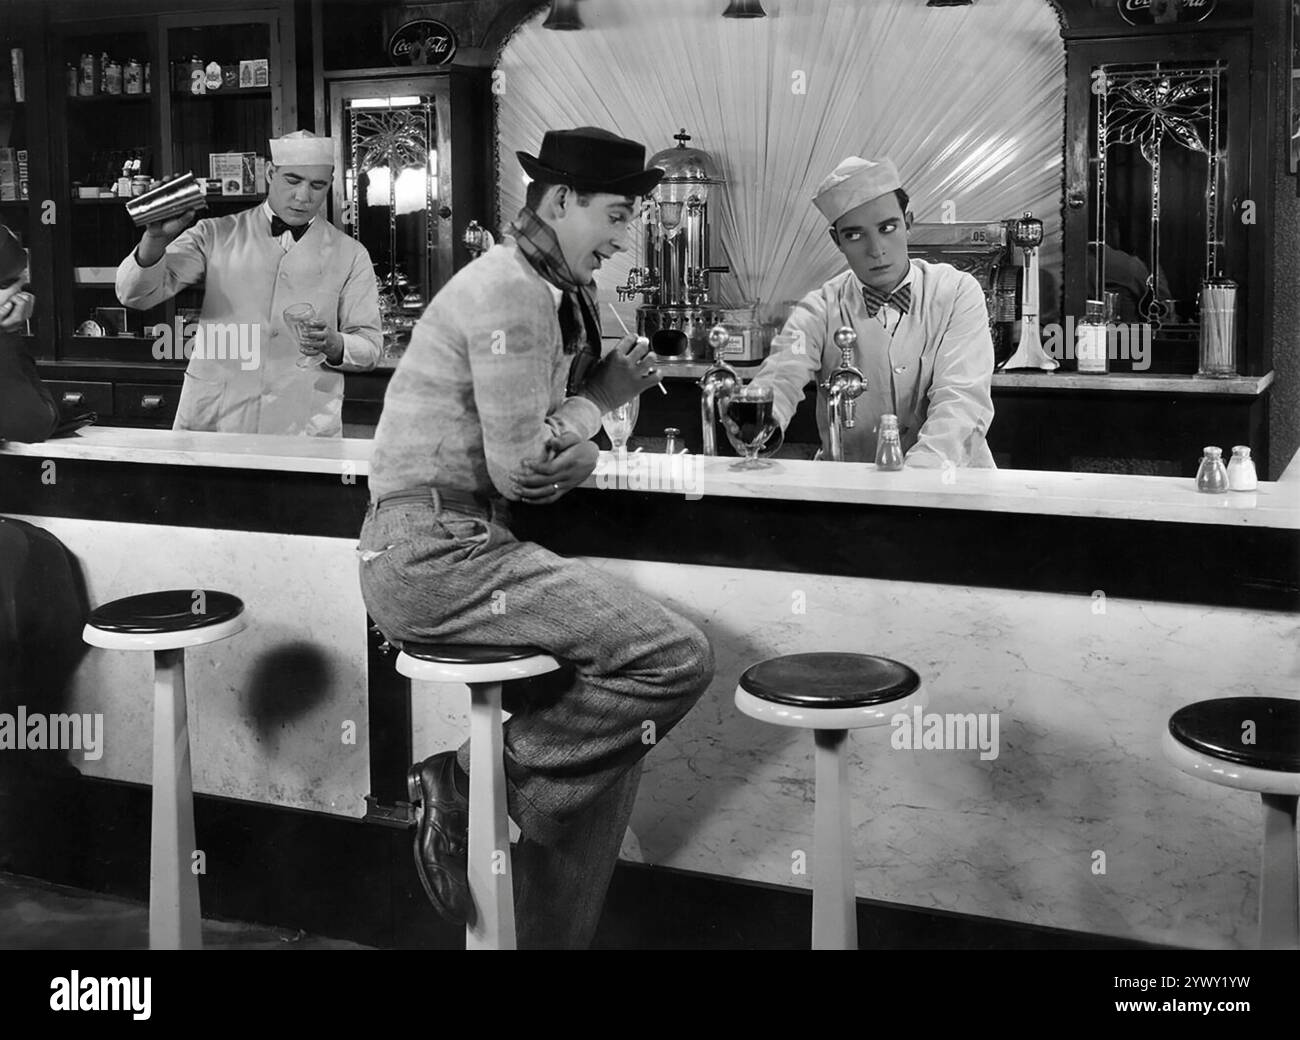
(749, 423)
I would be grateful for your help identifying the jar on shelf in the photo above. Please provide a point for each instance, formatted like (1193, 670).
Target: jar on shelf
(148, 77)
(112, 76)
(133, 77)
(87, 75)
(198, 83)
(71, 77)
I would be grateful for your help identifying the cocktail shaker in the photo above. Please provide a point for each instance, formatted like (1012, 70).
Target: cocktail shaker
(167, 200)
(1218, 328)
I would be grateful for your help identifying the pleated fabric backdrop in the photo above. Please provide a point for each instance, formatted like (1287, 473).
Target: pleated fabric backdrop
(968, 101)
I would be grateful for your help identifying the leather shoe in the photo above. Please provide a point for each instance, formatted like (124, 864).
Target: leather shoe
(441, 836)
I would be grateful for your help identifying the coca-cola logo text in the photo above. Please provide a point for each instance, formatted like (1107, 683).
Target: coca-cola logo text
(1153, 12)
(422, 42)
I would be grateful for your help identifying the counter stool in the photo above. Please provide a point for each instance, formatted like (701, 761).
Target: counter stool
(830, 693)
(1205, 740)
(166, 623)
(483, 669)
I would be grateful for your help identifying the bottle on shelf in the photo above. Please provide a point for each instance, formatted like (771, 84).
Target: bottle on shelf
(1090, 339)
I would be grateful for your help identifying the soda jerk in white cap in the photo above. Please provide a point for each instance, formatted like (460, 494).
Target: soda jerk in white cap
(923, 342)
(243, 374)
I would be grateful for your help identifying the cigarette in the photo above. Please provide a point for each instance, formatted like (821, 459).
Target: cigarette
(627, 332)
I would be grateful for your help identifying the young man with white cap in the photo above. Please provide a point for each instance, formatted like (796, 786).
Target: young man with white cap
(923, 331)
(251, 266)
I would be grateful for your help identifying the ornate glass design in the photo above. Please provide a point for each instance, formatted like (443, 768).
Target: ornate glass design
(1148, 106)
(391, 191)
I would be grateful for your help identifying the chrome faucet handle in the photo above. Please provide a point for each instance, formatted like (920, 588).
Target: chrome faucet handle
(846, 339)
(719, 337)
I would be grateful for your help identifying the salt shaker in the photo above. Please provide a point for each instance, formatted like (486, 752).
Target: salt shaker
(1241, 470)
(889, 451)
(671, 433)
(1211, 477)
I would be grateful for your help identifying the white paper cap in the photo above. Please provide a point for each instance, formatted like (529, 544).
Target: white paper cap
(302, 148)
(853, 182)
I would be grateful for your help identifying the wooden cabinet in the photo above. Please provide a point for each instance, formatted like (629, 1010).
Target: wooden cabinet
(122, 90)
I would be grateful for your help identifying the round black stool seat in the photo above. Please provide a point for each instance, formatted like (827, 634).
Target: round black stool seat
(1215, 728)
(467, 653)
(830, 680)
(168, 611)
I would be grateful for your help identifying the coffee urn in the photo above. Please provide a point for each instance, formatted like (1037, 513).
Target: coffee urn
(675, 283)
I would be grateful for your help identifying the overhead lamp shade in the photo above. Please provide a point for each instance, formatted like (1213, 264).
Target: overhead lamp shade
(744, 9)
(564, 15)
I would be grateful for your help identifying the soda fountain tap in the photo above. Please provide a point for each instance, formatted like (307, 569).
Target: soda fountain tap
(716, 386)
(843, 388)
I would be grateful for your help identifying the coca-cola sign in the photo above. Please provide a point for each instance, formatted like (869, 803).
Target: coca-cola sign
(421, 42)
(1164, 12)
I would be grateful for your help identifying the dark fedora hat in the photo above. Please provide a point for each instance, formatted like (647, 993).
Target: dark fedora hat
(591, 159)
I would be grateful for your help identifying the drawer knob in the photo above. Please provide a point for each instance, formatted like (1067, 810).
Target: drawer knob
(73, 397)
(151, 402)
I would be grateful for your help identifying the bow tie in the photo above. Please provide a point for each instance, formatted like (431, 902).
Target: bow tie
(279, 227)
(875, 299)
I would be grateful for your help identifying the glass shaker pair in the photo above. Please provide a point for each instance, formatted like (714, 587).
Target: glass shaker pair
(1239, 475)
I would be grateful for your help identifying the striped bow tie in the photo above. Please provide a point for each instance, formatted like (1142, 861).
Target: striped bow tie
(875, 299)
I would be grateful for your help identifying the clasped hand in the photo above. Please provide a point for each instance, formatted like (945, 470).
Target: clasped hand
(566, 462)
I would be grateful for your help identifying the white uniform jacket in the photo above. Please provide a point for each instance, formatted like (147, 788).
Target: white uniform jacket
(248, 279)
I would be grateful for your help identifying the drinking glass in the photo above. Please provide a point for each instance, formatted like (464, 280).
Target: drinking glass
(749, 423)
(620, 423)
(295, 318)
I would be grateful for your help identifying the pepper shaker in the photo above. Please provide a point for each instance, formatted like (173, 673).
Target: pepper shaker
(1211, 477)
(671, 434)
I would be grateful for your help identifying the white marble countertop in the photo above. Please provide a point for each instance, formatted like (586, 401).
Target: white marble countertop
(185, 448)
(1105, 495)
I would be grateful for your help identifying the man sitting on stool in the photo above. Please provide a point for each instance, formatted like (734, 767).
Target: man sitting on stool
(496, 399)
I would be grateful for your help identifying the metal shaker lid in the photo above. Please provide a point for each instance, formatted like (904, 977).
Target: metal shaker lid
(1219, 282)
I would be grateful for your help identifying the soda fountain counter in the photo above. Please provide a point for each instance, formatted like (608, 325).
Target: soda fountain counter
(1077, 610)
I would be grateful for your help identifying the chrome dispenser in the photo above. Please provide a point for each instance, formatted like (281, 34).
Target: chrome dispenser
(716, 385)
(843, 388)
(678, 309)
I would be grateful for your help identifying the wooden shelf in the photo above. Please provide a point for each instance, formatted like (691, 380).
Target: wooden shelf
(101, 98)
(223, 93)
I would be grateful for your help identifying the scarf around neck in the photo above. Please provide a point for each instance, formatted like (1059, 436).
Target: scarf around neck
(579, 314)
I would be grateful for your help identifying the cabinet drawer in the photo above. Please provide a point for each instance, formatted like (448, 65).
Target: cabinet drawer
(73, 395)
(148, 402)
